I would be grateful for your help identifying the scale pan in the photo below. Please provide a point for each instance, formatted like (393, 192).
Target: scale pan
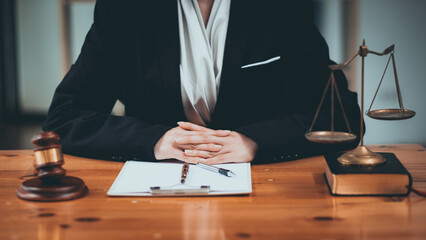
(330, 137)
(391, 114)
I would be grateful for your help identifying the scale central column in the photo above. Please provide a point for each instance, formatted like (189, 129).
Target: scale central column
(361, 155)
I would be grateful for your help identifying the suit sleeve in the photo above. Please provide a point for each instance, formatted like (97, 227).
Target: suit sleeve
(82, 103)
(283, 138)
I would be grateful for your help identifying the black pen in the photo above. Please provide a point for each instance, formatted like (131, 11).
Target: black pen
(185, 168)
(222, 171)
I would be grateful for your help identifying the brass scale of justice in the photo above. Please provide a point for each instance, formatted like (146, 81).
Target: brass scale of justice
(360, 155)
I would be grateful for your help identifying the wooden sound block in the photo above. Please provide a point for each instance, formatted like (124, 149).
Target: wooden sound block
(49, 190)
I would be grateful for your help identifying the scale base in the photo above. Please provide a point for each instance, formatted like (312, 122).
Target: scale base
(361, 156)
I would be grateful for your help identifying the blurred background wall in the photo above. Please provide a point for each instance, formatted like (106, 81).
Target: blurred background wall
(48, 35)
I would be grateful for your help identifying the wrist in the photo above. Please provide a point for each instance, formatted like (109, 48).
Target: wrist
(249, 143)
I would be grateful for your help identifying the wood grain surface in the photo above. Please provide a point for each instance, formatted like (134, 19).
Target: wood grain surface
(290, 200)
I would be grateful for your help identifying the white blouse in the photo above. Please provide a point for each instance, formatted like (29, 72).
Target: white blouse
(201, 51)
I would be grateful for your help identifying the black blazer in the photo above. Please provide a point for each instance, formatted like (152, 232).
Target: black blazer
(132, 53)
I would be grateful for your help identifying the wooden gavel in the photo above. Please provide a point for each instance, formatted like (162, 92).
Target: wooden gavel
(51, 183)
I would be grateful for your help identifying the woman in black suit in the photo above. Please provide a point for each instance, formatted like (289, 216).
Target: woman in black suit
(255, 69)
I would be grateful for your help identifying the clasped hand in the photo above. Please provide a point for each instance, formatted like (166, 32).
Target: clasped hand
(193, 143)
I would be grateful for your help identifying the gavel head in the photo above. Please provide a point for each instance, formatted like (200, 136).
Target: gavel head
(48, 155)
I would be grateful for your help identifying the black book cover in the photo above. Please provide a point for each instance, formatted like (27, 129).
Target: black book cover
(391, 166)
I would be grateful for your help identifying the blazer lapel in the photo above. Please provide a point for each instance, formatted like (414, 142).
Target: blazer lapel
(235, 45)
(168, 47)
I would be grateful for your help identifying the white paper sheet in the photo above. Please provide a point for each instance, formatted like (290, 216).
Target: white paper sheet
(136, 178)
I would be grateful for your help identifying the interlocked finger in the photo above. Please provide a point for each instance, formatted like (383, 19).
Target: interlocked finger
(199, 139)
(205, 147)
(209, 147)
(190, 159)
(222, 133)
(199, 153)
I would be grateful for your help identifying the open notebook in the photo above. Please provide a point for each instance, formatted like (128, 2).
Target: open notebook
(146, 178)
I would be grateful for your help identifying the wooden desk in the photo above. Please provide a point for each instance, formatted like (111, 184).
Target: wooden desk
(290, 200)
